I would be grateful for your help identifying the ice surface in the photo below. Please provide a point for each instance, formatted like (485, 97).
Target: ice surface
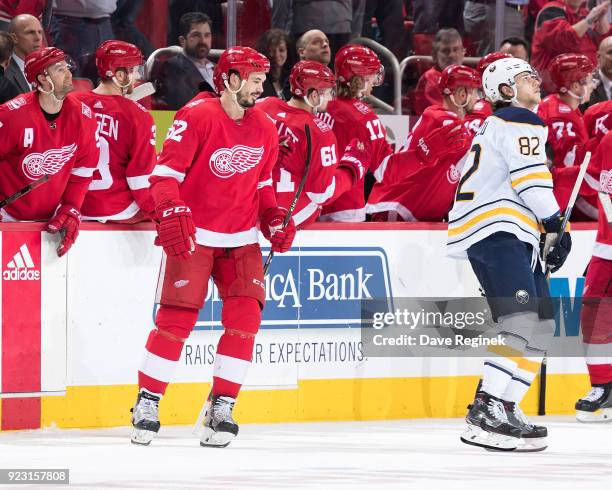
(416, 454)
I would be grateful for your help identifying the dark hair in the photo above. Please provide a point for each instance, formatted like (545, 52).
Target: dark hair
(189, 19)
(515, 41)
(6, 46)
(271, 38)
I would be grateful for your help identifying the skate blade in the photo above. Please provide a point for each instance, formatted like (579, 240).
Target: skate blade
(475, 436)
(530, 445)
(142, 437)
(210, 438)
(601, 415)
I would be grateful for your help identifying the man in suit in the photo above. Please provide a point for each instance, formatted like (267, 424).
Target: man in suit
(27, 34)
(603, 75)
(8, 90)
(189, 72)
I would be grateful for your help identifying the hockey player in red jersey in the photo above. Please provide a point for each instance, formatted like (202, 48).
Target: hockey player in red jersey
(119, 190)
(211, 186)
(596, 312)
(481, 109)
(423, 189)
(598, 120)
(331, 172)
(567, 136)
(47, 132)
(358, 70)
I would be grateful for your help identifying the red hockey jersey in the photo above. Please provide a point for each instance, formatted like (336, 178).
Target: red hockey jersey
(31, 146)
(428, 91)
(287, 173)
(350, 119)
(222, 166)
(474, 119)
(412, 190)
(602, 163)
(567, 138)
(120, 186)
(598, 119)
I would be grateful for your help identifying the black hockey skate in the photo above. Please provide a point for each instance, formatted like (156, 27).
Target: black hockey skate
(145, 417)
(219, 426)
(597, 405)
(488, 425)
(533, 437)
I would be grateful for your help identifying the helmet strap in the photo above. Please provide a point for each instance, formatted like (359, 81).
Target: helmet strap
(124, 88)
(467, 101)
(51, 92)
(580, 98)
(315, 108)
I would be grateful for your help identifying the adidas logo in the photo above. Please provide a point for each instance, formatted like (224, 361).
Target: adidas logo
(98, 105)
(22, 267)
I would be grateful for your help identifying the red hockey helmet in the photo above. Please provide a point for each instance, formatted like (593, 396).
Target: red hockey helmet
(112, 55)
(356, 60)
(38, 61)
(455, 76)
(488, 59)
(568, 68)
(242, 59)
(307, 75)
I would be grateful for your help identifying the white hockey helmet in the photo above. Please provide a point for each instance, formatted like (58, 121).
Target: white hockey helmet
(502, 72)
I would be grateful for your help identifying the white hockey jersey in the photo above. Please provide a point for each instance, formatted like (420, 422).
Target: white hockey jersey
(505, 184)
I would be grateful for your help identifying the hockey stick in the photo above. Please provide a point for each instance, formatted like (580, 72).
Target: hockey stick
(566, 217)
(297, 193)
(141, 91)
(22, 192)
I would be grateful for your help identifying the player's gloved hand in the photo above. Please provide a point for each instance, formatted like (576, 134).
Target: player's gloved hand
(552, 254)
(452, 138)
(355, 158)
(66, 221)
(272, 228)
(175, 229)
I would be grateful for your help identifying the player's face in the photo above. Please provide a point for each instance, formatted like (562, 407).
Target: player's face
(583, 88)
(528, 87)
(251, 91)
(61, 76)
(278, 54)
(197, 42)
(321, 98)
(450, 54)
(471, 97)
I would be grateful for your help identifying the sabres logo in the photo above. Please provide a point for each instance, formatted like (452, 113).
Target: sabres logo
(225, 162)
(50, 162)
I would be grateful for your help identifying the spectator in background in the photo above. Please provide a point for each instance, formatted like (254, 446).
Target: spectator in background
(479, 18)
(332, 17)
(314, 46)
(516, 46)
(189, 72)
(123, 22)
(603, 75)
(178, 8)
(27, 34)
(565, 27)
(8, 90)
(432, 15)
(275, 45)
(447, 50)
(79, 27)
(12, 8)
(390, 19)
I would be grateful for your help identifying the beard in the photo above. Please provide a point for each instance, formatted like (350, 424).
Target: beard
(244, 102)
(198, 52)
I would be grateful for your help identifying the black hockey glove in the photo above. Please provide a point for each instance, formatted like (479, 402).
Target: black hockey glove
(554, 256)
